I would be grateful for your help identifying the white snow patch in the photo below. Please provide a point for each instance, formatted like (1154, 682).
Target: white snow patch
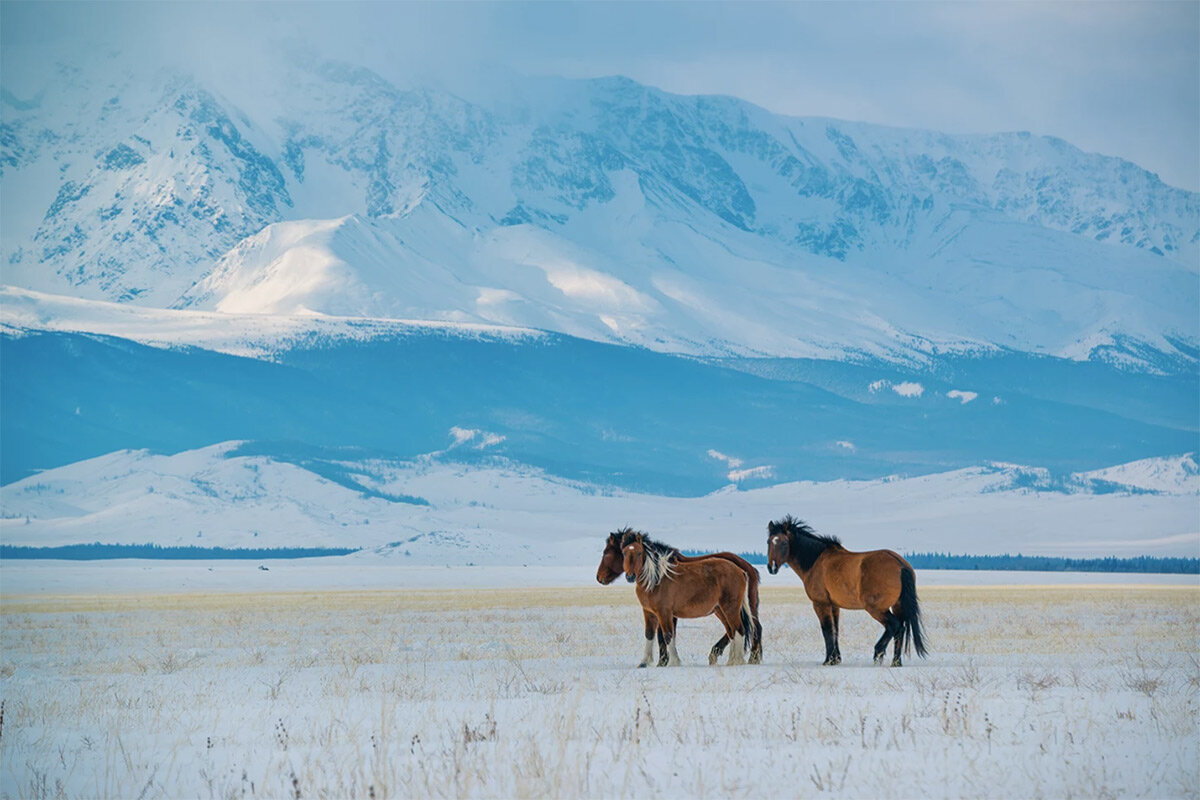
(964, 396)
(488, 439)
(739, 475)
(904, 388)
(733, 463)
(485, 438)
(462, 435)
(736, 474)
(909, 389)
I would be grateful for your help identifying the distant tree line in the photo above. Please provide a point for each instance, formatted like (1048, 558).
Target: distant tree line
(1021, 563)
(1018, 562)
(96, 551)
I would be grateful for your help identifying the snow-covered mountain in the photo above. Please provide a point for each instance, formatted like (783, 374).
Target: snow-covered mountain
(429, 511)
(415, 308)
(603, 209)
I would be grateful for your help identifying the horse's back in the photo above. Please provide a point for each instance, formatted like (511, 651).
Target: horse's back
(884, 559)
(702, 585)
(861, 580)
(733, 558)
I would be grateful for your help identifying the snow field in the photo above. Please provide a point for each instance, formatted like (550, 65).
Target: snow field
(1029, 691)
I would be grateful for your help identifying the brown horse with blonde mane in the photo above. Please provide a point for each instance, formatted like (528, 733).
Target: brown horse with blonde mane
(612, 567)
(669, 589)
(880, 581)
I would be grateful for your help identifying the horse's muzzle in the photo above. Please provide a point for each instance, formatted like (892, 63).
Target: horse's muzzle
(629, 577)
(772, 567)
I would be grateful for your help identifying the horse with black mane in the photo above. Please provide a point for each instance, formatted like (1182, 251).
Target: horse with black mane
(669, 589)
(880, 581)
(612, 566)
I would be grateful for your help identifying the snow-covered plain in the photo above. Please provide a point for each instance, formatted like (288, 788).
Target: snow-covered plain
(365, 572)
(1029, 692)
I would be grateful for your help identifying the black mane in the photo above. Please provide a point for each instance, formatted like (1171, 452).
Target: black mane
(804, 544)
(618, 536)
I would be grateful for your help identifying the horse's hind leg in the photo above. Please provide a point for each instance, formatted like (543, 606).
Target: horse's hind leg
(663, 655)
(756, 648)
(897, 637)
(891, 629)
(718, 649)
(730, 635)
(730, 615)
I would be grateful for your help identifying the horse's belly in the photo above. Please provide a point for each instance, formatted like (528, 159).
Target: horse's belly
(694, 612)
(695, 607)
(844, 598)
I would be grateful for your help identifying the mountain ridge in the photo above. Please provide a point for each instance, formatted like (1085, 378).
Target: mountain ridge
(701, 225)
(224, 496)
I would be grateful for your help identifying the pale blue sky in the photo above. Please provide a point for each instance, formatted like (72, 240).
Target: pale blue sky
(1117, 78)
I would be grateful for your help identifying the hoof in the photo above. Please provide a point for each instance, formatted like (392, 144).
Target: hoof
(831, 662)
(642, 665)
(755, 658)
(896, 662)
(879, 658)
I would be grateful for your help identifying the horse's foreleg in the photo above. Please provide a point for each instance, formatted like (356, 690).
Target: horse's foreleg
(651, 630)
(828, 630)
(837, 629)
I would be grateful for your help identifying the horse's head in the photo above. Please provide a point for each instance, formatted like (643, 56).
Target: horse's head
(634, 557)
(777, 546)
(612, 562)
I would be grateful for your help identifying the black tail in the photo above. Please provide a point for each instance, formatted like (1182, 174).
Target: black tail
(910, 613)
(748, 626)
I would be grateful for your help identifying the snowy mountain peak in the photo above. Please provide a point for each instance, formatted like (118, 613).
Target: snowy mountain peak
(600, 208)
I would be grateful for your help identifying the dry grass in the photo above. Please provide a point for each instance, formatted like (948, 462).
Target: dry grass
(1071, 692)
